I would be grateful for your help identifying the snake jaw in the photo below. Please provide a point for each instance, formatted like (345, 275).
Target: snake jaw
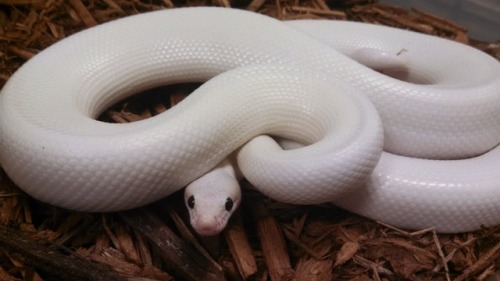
(209, 224)
(212, 199)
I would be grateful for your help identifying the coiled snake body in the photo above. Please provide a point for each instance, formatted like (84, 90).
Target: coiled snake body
(295, 80)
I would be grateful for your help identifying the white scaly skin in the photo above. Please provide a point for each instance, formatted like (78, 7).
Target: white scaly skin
(52, 147)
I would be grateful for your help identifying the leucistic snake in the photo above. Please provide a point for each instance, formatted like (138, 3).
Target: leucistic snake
(320, 84)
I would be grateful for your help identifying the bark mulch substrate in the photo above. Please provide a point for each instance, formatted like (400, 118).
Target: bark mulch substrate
(266, 240)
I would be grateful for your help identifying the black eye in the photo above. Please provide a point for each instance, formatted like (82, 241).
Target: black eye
(229, 204)
(190, 202)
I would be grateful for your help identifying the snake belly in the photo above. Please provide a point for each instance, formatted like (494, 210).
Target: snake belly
(441, 161)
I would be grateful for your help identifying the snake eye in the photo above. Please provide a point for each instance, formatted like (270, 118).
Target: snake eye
(190, 202)
(229, 204)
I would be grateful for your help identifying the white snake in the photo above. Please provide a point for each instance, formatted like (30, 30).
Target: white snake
(284, 80)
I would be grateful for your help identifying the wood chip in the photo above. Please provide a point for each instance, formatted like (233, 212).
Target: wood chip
(239, 247)
(273, 245)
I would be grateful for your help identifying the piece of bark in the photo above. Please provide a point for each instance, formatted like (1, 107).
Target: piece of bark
(83, 13)
(48, 258)
(438, 22)
(255, 5)
(378, 269)
(20, 2)
(483, 262)
(314, 270)
(336, 14)
(180, 257)
(126, 244)
(272, 242)
(292, 237)
(134, 271)
(240, 247)
(4, 276)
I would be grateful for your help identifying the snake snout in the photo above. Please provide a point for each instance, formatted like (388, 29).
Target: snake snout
(208, 225)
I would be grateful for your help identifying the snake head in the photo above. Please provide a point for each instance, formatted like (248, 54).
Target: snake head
(211, 200)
